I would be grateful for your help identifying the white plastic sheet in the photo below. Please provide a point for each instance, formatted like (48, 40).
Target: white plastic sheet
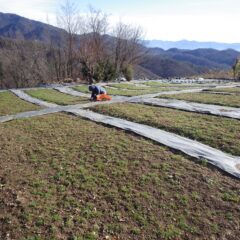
(195, 90)
(70, 91)
(56, 108)
(198, 81)
(192, 148)
(152, 95)
(30, 114)
(21, 94)
(226, 162)
(42, 103)
(192, 107)
(6, 118)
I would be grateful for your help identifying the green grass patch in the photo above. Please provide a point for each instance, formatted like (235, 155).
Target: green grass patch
(131, 93)
(51, 95)
(235, 90)
(62, 177)
(218, 132)
(129, 86)
(11, 104)
(224, 100)
(127, 93)
(82, 88)
(159, 84)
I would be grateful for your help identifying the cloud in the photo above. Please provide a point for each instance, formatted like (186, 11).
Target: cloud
(205, 20)
(37, 9)
(220, 28)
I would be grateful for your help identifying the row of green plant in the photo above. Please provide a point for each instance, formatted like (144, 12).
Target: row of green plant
(235, 90)
(64, 177)
(218, 132)
(51, 95)
(217, 99)
(122, 92)
(11, 104)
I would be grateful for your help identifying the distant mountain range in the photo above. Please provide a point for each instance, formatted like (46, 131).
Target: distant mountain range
(163, 58)
(191, 45)
(180, 63)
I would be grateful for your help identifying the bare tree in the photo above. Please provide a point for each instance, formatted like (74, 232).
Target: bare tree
(98, 57)
(92, 51)
(97, 26)
(69, 19)
(127, 48)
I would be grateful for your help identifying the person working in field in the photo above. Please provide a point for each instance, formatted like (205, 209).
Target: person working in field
(98, 93)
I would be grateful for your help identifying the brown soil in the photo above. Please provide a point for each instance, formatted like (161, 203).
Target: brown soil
(66, 178)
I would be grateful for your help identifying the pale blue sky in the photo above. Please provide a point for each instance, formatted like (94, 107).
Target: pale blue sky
(202, 20)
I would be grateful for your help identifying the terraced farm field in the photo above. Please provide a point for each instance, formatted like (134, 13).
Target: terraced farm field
(224, 100)
(54, 96)
(181, 85)
(235, 90)
(11, 104)
(128, 93)
(221, 133)
(77, 173)
(129, 86)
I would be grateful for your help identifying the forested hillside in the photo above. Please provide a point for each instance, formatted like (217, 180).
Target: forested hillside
(32, 52)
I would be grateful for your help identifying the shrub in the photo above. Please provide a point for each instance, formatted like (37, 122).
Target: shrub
(128, 72)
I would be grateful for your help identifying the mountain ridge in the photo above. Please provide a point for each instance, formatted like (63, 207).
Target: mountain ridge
(190, 45)
(17, 27)
(169, 63)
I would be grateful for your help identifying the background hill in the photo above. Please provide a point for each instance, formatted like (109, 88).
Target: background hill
(22, 35)
(17, 27)
(183, 63)
(184, 44)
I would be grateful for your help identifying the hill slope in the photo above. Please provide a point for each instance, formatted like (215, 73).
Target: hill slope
(17, 27)
(191, 45)
(158, 62)
(181, 63)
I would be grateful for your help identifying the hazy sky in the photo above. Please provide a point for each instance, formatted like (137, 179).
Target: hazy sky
(202, 20)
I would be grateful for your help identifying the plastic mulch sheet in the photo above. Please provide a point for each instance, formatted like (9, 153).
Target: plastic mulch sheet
(70, 91)
(192, 148)
(226, 162)
(55, 109)
(21, 94)
(152, 95)
(30, 114)
(192, 107)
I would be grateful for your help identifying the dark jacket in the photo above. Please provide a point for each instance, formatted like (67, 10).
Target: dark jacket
(96, 90)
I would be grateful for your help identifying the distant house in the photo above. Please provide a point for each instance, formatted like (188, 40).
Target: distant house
(236, 69)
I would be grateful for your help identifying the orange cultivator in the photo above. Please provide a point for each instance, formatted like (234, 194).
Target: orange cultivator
(103, 97)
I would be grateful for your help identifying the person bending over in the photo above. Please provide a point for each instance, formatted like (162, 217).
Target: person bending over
(96, 90)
